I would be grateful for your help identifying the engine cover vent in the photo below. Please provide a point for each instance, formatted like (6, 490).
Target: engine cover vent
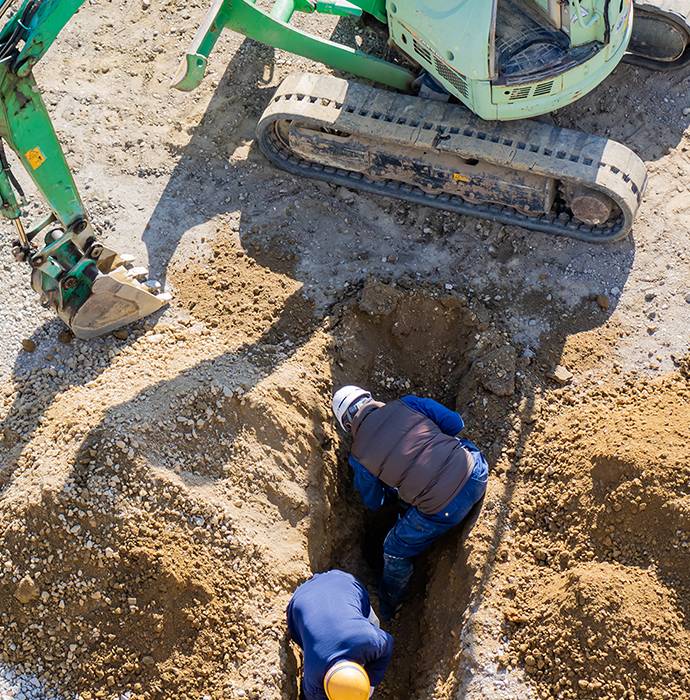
(457, 80)
(543, 88)
(520, 93)
(422, 51)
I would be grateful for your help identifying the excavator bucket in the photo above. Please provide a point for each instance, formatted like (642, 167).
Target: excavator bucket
(114, 301)
(95, 292)
(93, 289)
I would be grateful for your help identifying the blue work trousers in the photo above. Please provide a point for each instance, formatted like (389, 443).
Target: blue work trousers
(415, 531)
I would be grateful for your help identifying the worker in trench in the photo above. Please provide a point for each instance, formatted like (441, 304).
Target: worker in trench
(345, 651)
(409, 450)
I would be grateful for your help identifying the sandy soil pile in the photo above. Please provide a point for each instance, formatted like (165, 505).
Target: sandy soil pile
(598, 540)
(155, 552)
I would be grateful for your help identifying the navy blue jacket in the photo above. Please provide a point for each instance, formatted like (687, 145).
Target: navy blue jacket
(327, 617)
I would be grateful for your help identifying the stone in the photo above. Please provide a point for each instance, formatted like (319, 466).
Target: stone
(26, 591)
(603, 301)
(560, 374)
(378, 299)
(121, 334)
(65, 337)
(28, 345)
(496, 370)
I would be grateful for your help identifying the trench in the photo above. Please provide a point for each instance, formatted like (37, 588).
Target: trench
(396, 341)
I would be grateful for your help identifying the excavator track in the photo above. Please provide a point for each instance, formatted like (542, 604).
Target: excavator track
(525, 173)
(661, 35)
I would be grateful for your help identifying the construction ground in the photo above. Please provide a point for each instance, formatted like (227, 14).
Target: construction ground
(164, 490)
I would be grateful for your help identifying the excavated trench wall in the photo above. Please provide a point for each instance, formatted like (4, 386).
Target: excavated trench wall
(397, 340)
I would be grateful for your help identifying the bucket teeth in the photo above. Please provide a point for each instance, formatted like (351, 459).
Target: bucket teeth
(137, 272)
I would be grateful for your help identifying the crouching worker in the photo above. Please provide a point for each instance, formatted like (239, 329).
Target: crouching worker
(345, 652)
(409, 449)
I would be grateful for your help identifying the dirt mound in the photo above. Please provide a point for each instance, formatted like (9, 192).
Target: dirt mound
(606, 631)
(600, 523)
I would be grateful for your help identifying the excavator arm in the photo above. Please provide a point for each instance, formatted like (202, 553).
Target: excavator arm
(86, 283)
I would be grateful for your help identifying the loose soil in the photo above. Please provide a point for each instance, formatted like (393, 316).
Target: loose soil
(163, 493)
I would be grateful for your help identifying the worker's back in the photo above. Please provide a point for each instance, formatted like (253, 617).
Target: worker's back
(328, 618)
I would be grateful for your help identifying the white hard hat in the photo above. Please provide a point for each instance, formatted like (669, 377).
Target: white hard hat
(347, 680)
(344, 398)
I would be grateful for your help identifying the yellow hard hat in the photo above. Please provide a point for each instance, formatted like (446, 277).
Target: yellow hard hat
(346, 680)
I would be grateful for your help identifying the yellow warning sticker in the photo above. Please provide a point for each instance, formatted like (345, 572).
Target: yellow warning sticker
(457, 176)
(35, 157)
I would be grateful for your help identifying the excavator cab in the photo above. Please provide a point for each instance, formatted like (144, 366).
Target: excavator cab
(512, 59)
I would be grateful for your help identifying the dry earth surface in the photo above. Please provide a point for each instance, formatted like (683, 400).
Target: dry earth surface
(164, 490)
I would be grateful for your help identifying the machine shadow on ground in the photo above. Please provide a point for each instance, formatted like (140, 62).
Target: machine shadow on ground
(176, 212)
(651, 130)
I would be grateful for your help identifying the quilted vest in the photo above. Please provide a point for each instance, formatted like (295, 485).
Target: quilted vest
(409, 452)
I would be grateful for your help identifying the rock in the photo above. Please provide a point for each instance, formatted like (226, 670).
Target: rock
(378, 299)
(496, 370)
(560, 374)
(529, 408)
(10, 437)
(603, 301)
(28, 345)
(687, 298)
(541, 554)
(345, 195)
(26, 590)
(121, 334)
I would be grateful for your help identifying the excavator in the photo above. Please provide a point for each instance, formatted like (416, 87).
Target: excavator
(456, 124)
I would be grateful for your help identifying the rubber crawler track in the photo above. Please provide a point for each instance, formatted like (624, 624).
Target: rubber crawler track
(678, 12)
(318, 101)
